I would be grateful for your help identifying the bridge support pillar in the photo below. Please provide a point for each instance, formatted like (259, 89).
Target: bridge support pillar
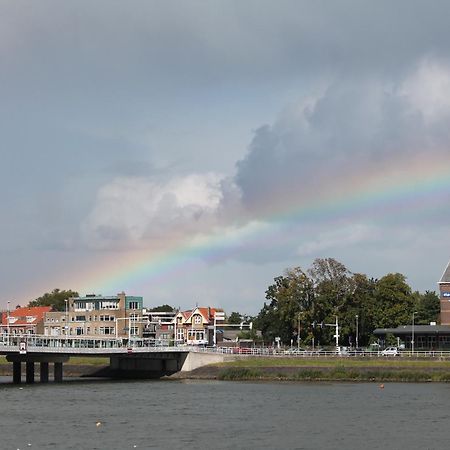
(30, 372)
(58, 372)
(17, 372)
(44, 372)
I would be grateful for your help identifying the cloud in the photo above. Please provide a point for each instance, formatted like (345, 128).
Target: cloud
(329, 241)
(137, 211)
(350, 126)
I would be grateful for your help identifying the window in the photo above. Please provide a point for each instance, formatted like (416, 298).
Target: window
(134, 331)
(197, 319)
(106, 330)
(133, 305)
(110, 305)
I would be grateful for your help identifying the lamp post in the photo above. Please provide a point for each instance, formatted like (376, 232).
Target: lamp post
(357, 346)
(412, 333)
(7, 321)
(67, 317)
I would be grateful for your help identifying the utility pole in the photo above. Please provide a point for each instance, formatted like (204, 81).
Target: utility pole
(336, 335)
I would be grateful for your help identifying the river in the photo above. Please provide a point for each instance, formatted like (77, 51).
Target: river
(224, 415)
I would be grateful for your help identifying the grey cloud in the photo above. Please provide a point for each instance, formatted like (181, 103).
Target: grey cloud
(351, 124)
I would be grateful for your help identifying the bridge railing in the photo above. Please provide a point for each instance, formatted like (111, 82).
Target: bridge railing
(42, 341)
(274, 352)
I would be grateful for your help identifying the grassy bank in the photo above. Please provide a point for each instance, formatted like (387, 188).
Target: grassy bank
(336, 374)
(328, 369)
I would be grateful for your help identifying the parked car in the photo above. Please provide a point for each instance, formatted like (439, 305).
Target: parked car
(390, 351)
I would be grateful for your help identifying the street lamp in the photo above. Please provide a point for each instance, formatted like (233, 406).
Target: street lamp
(7, 323)
(67, 317)
(357, 346)
(412, 334)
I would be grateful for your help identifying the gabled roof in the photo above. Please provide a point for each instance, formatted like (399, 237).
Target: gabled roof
(206, 312)
(26, 315)
(446, 275)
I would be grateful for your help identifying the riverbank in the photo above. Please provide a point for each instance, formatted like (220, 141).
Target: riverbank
(284, 369)
(327, 369)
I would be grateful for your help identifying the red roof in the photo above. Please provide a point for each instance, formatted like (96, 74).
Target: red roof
(26, 315)
(207, 313)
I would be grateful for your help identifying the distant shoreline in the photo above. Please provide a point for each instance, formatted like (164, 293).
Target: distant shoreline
(327, 369)
(283, 369)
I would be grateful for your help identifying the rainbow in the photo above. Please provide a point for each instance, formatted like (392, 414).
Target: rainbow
(377, 192)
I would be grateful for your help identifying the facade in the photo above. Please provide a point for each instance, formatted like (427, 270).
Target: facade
(427, 337)
(196, 327)
(26, 320)
(444, 290)
(158, 325)
(98, 316)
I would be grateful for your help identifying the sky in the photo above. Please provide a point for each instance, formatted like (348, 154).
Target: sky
(191, 151)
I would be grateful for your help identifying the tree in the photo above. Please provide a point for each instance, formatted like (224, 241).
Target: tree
(394, 301)
(235, 318)
(428, 307)
(334, 287)
(290, 295)
(163, 308)
(56, 299)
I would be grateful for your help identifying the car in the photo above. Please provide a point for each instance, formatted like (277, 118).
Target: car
(390, 351)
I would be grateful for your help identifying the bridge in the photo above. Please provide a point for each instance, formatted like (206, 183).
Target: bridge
(129, 358)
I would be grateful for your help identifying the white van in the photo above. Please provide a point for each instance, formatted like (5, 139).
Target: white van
(390, 351)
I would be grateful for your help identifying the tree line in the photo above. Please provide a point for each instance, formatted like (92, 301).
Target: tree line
(308, 300)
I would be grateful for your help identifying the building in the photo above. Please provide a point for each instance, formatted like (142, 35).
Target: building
(444, 291)
(24, 320)
(426, 337)
(96, 315)
(196, 327)
(158, 325)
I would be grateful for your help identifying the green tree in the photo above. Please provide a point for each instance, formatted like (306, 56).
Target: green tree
(428, 307)
(163, 308)
(334, 289)
(56, 299)
(235, 318)
(394, 301)
(290, 295)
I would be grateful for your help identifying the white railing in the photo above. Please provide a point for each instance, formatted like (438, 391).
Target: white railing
(44, 343)
(83, 344)
(274, 352)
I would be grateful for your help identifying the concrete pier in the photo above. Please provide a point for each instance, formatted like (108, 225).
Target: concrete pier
(44, 372)
(58, 372)
(17, 372)
(30, 360)
(30, 372)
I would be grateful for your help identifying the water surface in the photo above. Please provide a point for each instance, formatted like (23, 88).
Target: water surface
(224, 415)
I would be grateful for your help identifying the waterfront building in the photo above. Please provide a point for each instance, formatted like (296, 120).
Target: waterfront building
(96, 315)
(444, 291)
(158, 325)
(196, 326)
(426, 337)
(24, 320)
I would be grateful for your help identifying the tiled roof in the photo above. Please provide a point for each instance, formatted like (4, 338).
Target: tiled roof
(207, 313)
(26, 315)
(446, 275)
